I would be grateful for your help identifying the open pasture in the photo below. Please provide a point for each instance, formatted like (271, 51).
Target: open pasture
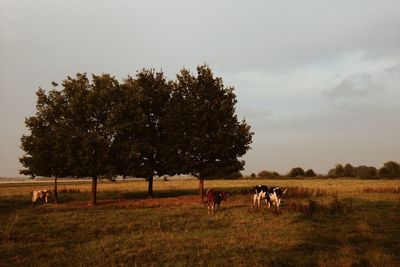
(341, 222)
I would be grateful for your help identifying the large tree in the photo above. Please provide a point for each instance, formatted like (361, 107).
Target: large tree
(154, 92)
(90, 119)
(390, 169)
(45, 146)
(206, 138)
(145, 126)
(74, 131)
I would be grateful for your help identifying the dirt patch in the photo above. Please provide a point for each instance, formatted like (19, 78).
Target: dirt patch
(134, 203)
(192, 200)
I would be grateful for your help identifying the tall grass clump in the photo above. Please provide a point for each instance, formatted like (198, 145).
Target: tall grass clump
(382, 190)
(304, 192)
(311, 207)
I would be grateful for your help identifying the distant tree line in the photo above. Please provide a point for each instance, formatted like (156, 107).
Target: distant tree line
(145, 126)
(390, 169)
(294, 172)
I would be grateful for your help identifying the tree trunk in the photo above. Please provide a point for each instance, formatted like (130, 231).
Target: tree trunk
(55, 191)
(150, 191)
(93, 201)
(201, 189)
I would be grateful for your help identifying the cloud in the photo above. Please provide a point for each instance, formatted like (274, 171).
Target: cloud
(393, 71)
(354, 86)
(248, 112)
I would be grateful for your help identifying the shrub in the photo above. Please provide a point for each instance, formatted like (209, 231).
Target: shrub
(310, 173)
(384, 172)
(268, 174)
(392, 169)
(332, 173)
(366, 172)
(264, 173)
(296, 172)
(349, 170)
(339, 169)
(276, 174)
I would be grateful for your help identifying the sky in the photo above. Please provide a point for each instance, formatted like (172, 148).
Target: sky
(318, 81)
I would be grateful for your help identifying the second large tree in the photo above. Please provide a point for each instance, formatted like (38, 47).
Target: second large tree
(206, 137)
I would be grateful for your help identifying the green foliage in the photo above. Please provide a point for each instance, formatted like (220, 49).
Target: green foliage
(207, 137)
(390, 169)
(339, 169)
(348, 170)
(365, 171)
(297, 172)
(264, 174)
(384, 172)
(143, 127)
(156, 92)
(268, 174)
(78, 130)
(310, 173)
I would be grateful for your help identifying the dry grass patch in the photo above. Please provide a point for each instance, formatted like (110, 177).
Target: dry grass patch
(382, 190)
(314, 228)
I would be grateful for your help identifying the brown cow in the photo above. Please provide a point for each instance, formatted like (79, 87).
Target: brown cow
(41, 195)
(215, 197)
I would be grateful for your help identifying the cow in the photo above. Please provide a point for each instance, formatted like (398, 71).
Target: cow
(271, 195)
(260, 192)
(41, 194)
(215, 197)
(274, 196)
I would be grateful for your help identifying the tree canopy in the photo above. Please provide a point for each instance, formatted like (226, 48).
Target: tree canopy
(142, 127)
(208, 138)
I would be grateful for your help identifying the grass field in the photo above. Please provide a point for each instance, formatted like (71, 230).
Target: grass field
(341, 222)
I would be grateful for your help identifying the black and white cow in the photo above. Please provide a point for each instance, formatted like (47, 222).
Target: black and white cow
(260, 192)
(271, 195)
(274, 196)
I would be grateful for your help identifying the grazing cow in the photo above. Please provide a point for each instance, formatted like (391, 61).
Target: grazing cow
(271, 195)
(274, 196)
(40, 194)
(215, 197)
(260, 192)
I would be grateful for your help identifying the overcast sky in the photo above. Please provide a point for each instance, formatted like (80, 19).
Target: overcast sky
(318, 81)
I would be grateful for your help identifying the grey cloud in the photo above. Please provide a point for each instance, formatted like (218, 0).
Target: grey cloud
(393, 71)
(252, 113)
(272, 43)
(338, 118)
(354, 86)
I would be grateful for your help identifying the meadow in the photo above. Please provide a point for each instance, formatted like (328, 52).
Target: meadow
(322, 222)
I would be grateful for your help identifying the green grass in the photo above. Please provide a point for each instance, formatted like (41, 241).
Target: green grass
(368, 234)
